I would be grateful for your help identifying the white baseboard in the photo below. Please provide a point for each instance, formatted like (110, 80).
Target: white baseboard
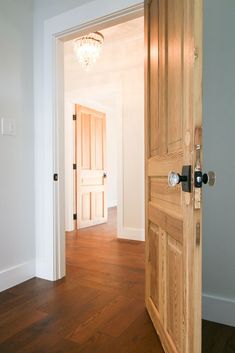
(131, 234)
(218, 309)
(12, 276)
(112, 203)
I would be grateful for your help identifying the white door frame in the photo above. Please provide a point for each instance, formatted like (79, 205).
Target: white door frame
(49, 124)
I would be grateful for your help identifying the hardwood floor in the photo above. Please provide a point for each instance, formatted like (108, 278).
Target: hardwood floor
(98, 308)
(217, 338)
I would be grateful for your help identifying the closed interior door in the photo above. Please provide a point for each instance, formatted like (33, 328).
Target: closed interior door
(173, 32)
(91, 167)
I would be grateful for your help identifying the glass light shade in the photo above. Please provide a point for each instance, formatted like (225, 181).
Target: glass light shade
(88, 49)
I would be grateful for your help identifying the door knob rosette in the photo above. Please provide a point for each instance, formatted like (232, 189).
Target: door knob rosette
(208, 178)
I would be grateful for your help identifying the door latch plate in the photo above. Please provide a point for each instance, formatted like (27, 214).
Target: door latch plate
(186, 172)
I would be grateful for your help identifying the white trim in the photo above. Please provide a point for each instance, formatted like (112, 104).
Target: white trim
(218, 309)
(131, 234)
(49, 143)
(12, 276)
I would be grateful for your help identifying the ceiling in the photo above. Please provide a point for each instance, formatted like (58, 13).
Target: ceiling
(130, 30)
(116, 35)
(123, 51)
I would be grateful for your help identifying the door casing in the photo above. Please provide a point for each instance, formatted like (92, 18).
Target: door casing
(49, 124)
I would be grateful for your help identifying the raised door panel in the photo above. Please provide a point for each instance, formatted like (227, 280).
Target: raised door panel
(99, 205)
(86, 206)
(174, 121)
(174, 290)
(99, 144)
(154, 264)
(85, 141)
(153, 77)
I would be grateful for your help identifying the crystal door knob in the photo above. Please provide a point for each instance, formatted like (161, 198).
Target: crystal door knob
(175, 178)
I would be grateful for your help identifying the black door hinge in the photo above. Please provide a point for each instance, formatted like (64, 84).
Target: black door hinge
(74, 166)
(75, 216)
(74, 117)
(55, 177)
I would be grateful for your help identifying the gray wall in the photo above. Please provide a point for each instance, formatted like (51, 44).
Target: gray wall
(16, 153)
(219, 140)
(44, 9)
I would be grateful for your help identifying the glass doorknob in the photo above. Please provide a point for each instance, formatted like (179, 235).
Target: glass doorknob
(175, 178)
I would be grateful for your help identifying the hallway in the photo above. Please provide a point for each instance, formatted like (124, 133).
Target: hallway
(98, 308)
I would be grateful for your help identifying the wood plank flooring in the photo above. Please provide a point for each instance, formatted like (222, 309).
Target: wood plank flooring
(98, 308)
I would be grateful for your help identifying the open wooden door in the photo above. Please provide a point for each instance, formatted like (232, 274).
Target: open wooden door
(173, 32)
(90, 141)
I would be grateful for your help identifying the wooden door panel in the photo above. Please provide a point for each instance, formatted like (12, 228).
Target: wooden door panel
(99, 204)
(174, 289)
(153, 77)
(92, 177)
(173, 112)
(160, 165)
(86, 206)
(160, 191)
(174, 121)
(154, 246)
(85, 141)
(91, 162)
(99, 163)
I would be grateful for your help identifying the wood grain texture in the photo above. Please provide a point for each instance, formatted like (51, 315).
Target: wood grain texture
(173, 28)
(98, 308)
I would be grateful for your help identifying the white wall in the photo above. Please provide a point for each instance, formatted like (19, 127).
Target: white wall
(45, 9)
(219, 129)
(17, 236)
(115, 85)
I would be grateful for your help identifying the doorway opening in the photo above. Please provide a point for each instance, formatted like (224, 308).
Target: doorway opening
(104, 134)
(104, 139)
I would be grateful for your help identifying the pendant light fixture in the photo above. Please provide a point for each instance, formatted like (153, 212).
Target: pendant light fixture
(88, 49)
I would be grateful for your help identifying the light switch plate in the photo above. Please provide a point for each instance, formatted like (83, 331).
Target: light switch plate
(8, 127)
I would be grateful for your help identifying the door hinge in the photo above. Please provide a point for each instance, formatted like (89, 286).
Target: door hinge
(196, 53)
(55, 177)
(75, 216)
(74, 166)
(74, 117)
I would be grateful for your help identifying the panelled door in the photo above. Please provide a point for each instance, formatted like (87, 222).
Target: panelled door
(91, 177)
(173, 32)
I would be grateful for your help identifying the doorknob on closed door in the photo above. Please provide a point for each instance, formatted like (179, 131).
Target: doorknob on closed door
(105, 175)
